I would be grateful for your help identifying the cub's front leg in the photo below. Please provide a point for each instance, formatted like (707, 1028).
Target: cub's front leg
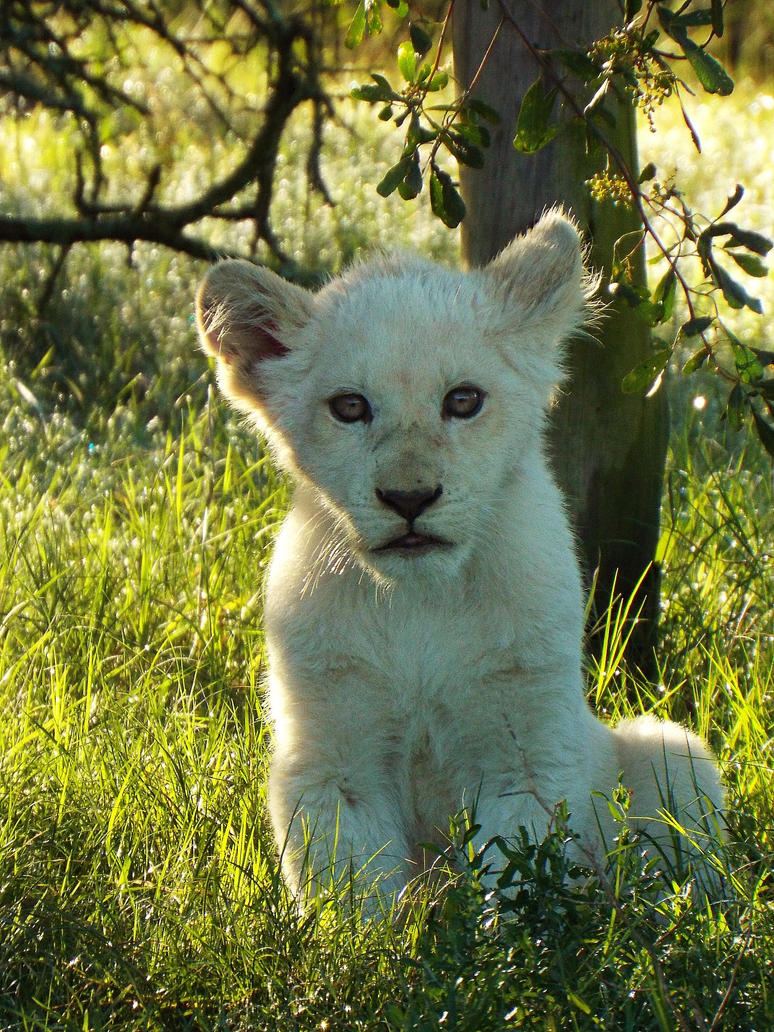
(542, 759)
(333, 821)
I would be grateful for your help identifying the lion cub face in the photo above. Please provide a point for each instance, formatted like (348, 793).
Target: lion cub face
(405, 393)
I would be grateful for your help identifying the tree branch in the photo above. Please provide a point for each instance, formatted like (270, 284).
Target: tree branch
(43, 75)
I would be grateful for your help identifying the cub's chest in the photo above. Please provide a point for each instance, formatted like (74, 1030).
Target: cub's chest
(430, 651)
(436, 771)
(389, 655)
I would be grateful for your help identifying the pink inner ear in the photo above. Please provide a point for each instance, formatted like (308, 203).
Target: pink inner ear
(272, 345)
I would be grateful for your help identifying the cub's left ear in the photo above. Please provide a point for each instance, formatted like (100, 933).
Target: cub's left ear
(542, 273)
(249, 319)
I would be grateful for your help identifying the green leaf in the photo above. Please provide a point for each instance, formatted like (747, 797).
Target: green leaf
(734, 293)
(424, 71)
(464, 152)
(703, 16)
(756, 242)
(439, 81)
(751, 263)
(436, 194)
(478, 135)
(368, 92)
(704, 249)
(717, 17)
(373, 15)
(632, 8)
(418, 134)
(690, 126)
(746, 361)
(489, 114)
(644, 375)
(599, 96)
(394, 176)
(670, 22)
(411, 185)
(765, 432)
(640, 300)
(577, 62)
(735, 405)
(533, 126)
(380, 80)
(733, 200)
(469, 835)
(694, 327)
(407, 61)
(454, 205)
(696, 361)
(379, 89)
(709, 71)
(356, 29)
(420, 40)
(445, 200)
(664, 294)
(647, 173)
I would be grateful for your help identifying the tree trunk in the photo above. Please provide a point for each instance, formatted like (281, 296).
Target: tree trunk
(608, 448)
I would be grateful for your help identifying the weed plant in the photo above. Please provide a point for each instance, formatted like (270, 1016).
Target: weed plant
(139, 884)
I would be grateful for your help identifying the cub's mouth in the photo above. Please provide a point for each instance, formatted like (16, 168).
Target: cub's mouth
(413, 543)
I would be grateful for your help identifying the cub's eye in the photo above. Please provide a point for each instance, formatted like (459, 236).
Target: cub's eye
(463, 402)
(350, 408)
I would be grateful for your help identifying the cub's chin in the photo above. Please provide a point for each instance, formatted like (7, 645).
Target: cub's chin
(414, 559)
(413, 543)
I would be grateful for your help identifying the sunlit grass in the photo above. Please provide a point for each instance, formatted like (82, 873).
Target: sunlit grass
(139, 880)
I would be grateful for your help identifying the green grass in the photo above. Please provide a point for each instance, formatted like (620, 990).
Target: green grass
(138, 878)
(139, 886)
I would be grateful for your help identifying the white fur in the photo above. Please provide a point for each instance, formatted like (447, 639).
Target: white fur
(406, 685)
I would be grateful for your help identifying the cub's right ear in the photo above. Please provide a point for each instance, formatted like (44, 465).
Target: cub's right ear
(247, 317)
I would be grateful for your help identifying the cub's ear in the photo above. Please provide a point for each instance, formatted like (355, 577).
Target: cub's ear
(542, 273)
(247, 316)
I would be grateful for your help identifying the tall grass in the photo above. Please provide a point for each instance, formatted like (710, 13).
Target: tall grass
(139, 884)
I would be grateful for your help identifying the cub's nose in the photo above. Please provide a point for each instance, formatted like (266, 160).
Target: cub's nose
(409, 504)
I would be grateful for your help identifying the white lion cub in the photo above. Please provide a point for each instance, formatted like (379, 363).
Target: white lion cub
(424, 611)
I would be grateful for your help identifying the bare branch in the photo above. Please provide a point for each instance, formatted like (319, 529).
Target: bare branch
(51, 65)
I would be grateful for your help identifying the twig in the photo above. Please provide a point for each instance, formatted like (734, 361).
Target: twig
(614, 153)
(48, 286)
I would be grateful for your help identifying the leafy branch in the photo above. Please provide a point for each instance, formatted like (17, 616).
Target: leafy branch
(458, 127)
(641, 62)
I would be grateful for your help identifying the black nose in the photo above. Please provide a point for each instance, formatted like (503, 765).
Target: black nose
(409, 504)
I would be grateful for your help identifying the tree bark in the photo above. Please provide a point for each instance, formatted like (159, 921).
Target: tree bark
(608, 448)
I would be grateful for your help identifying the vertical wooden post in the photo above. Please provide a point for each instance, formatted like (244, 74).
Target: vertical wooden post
(608, 449)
